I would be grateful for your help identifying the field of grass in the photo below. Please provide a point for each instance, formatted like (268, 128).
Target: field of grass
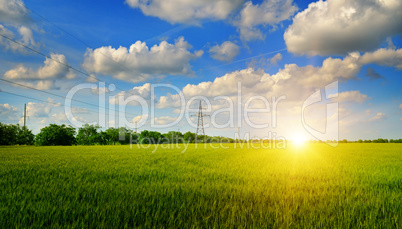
(313, 186)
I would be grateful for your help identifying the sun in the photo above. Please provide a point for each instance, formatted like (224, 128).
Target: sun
(299, 139)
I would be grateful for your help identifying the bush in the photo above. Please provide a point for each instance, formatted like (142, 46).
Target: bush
(54, 135)
(15, 135)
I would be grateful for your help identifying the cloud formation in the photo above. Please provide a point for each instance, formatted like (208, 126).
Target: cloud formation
(13, 12)
(164, 120)
(247, 17)
(227, 51)
(41, 110)
(25, 37)
(140, 63)
(187, 12)
(350, 96)
(293, 81)
(269, 12)
(384, 57)
(15, 21)
(144, 91)
(6, 109)
(43, 78)
(341, 26)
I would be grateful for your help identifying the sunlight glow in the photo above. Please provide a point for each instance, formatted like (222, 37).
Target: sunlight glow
(299, 139)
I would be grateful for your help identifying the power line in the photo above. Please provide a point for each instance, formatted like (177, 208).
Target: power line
(75, 37)
(27, 97)
(42, 54)
(248, 58)
(66, 65)
(44, 101)
(65, 31)
(88, 45)
(60, 96)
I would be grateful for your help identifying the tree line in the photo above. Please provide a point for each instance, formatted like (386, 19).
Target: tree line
(54, 135)
(379, 140)
(64, 135)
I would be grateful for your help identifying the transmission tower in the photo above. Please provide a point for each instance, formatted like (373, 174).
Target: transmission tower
(200, 123)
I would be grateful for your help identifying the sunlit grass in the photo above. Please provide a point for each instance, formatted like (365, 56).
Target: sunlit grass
(352, 185)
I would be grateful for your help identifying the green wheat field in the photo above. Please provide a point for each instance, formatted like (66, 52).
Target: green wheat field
(310, 186)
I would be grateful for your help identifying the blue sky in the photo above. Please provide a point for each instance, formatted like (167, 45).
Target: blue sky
(272, 48)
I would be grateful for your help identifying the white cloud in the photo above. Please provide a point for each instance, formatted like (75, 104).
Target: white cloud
(385, 57)
(7, 109)
(254, 80)
(341, 26)
(143, 91)
(99, 90)
(40, 84)
(294, 82)
(139, 63)
(189, 11)
(164, 120)
(227, 51)
(62, 117)
(269, 12)
(46, 113)
(25, 37)
(6, 43)
(57, 117)
(169, 100)
(44, 77)
(13, 12)
(378, 117)
(15, 16)
(41, 109)
(248, 21)
(350, 96)
(400, 106)
(140, 119)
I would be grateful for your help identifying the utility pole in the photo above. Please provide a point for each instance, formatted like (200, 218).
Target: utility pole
(200, 123)
(25, 113)
(135, 130)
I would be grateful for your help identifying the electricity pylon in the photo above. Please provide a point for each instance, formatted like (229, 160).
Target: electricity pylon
(200, 123)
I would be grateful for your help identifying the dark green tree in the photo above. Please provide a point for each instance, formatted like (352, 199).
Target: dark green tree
(54, 135)
(173, 137)
(24, 136)
(189, 137)
(15, 134)
(8, 133)
(150, 137)
(113, 134)
(119, 135)
(104, 138)
(88, 135)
